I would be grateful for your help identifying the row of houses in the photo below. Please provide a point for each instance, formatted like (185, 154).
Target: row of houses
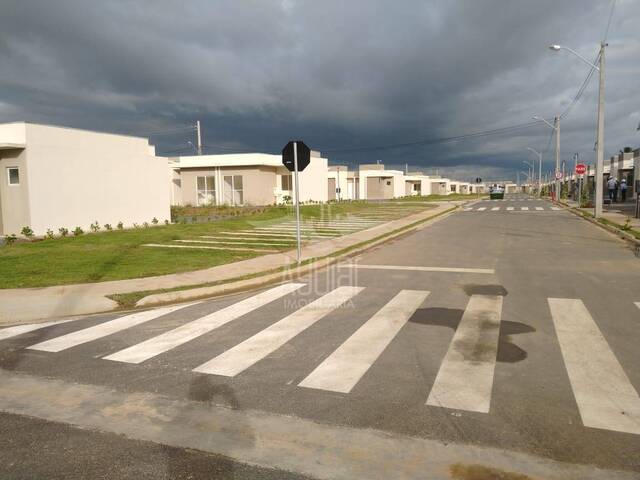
(623, 165)
(57, 177)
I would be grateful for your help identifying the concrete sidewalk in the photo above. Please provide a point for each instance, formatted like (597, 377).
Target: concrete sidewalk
(28, 304)
(617, 213)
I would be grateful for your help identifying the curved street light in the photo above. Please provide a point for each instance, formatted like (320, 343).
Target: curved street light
(599, 194)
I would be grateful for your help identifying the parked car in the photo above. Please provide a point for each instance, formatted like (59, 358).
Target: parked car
(496, 192)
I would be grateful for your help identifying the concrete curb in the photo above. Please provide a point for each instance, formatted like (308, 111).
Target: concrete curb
(281, 276)
(627, 237)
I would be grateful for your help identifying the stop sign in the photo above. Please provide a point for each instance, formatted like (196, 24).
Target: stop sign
(304, 156)
(581, 168)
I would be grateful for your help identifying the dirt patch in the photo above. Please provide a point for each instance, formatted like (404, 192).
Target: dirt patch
(480, 472)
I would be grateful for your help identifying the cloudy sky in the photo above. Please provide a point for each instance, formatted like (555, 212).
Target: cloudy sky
(351, 78)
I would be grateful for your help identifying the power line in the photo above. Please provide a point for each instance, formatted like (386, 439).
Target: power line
(168, 132)
(431, 141)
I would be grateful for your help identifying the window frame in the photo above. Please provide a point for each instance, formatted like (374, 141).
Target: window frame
(206, 191)
(9, 169)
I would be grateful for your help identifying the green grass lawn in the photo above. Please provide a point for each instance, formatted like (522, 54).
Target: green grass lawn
(118, 255)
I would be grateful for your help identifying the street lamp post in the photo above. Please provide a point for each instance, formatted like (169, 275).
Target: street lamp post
(532, 173)
(599, 194)
(539, 170)
(556, 127)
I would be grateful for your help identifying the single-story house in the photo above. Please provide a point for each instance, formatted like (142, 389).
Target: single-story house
(243, 179)
(54, 177)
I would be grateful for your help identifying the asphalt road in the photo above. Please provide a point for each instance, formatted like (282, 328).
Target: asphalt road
(508, 326)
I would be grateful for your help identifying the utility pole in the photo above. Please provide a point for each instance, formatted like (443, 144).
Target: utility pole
(557, 187)
(600, 145)
(199, 137)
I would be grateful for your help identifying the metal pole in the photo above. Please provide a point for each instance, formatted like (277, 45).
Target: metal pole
(600, 147)
(338, 189)
(297, 199)
(199, 138)
(557, 185)
(540, 175)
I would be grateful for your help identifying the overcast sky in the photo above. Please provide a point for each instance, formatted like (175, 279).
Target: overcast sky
(339, 75)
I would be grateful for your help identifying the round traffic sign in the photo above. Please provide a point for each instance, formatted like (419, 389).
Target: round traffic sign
(558, 175)
(581, 169)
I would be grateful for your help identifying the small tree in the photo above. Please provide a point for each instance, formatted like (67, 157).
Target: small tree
(166, 222)
(10, 239)
(95, 226)
(120, 225)
(108, 227)
(78, 231)
(63, 231)
(155, 221)
(49, 234)
(27, 232)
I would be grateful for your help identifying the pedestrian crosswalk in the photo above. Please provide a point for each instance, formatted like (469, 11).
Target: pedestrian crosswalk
(510, 209)
(604, 394)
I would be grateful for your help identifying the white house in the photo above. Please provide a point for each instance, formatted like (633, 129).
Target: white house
(55, 177)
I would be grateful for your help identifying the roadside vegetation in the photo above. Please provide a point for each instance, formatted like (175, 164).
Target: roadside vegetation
(115, 253)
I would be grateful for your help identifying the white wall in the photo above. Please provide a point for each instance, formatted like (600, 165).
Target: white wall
(76, 177)
(313, 180)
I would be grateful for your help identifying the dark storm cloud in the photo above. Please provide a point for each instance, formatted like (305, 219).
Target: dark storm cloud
(338, 74)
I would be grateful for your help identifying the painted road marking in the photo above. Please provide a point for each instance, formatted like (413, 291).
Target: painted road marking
(638, 304)
(465, 378)
(419, 269)
(539, 208)
(482, 209)
(242, 356)
(524, 208)
(20, 329)
(605, 397)
(510, 208)
(104, 329)
(292, 230)
(556, 208)
(344, 368)
(187, 332)
(495, 209)
(467, 209)
(204, 247)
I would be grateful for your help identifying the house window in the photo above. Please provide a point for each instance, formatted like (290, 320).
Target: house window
(452, 187)
(206, 190)
(233, 190)
(286, 182)
(13, 175)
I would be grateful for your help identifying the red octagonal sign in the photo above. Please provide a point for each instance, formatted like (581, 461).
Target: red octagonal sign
(581, 169)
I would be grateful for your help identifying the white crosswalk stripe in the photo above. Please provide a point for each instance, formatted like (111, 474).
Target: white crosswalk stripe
(524, 208)
(510, 208)
(556, 208)
(465, 378)
(481, 209)
(20, 329)
(102, 330)
(495, 209)
(605, 396)
(345, 367)
(539, 208)
(242, 356)
(185, 333)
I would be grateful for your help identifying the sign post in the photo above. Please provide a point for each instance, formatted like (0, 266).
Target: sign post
(581, 169)
(478, 182)
(296, 156)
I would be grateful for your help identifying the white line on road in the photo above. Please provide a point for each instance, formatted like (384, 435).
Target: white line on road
(187, 332)
(20, 329)
(556, 208)
(495, 209)
(482, 209)
(344, 368)
(638, 304)
(242, 356)
(102, 330)
(419, 269)
(510, 208)
(465, 378)
(524, 208)
(539, 208)
(605, 396)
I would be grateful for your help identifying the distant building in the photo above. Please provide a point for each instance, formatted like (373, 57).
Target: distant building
(243, 179)
(56, 177)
